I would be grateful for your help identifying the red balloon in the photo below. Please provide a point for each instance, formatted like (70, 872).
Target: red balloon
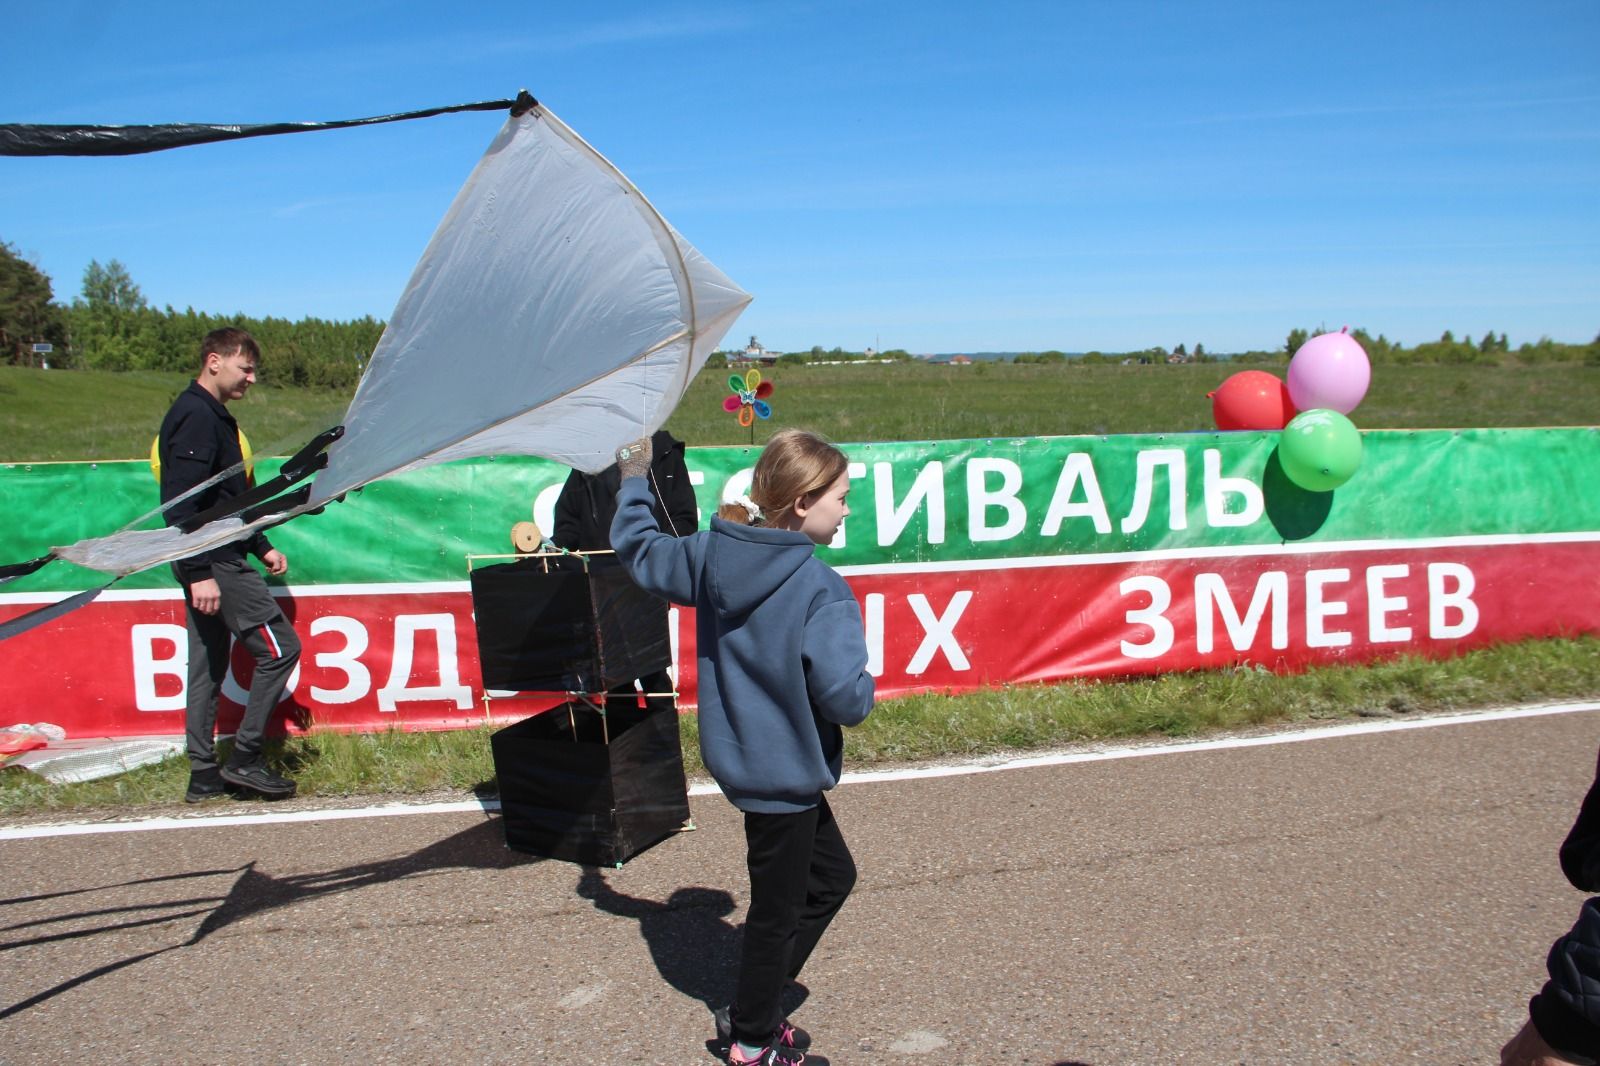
(1251, 399)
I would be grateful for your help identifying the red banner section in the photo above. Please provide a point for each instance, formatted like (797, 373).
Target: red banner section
(404, 659)
(1285, 610)
(405, 656)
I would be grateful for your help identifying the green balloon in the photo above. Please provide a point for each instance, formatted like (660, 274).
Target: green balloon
(1320, 450)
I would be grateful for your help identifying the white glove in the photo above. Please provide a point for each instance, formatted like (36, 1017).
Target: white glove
(633, 458)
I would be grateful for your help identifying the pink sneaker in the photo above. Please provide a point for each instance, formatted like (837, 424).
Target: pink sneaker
(774, 1054)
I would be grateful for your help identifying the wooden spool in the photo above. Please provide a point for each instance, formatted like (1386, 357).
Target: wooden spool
(526, 538)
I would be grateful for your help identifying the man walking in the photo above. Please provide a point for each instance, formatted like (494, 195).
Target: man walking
(224, 594)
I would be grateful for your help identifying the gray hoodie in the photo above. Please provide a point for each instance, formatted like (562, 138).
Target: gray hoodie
(782, 654)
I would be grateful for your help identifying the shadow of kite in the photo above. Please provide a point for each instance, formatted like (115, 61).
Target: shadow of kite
(482, 847)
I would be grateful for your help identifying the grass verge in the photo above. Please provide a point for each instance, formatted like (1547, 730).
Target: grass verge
(928, 726)
(84, 415)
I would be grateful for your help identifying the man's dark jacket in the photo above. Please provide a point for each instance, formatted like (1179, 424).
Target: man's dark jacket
(588, 502)
(199, 438)
(1567, 1010)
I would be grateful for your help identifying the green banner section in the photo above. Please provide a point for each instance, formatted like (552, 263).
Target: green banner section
(928, 501)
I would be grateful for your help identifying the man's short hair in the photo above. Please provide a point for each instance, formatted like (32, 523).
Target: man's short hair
(227, 341)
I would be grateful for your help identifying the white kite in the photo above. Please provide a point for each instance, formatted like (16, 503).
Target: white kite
(554, 313)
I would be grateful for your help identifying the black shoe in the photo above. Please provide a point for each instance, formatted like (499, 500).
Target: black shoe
(255, 777)
(205, 785)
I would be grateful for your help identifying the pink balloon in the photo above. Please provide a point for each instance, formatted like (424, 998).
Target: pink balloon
(1329, 371)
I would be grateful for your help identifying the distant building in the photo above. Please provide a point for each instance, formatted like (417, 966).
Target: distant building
(755, 352)
(961, 360)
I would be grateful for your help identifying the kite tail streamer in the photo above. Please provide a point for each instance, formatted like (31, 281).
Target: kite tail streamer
(50, 611)
(12, 571)
(32, 139)
(256, 503)
(301, 465)
(289, 501)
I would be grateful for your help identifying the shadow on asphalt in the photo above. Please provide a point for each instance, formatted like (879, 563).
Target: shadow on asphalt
(693, 945)
(481, 847)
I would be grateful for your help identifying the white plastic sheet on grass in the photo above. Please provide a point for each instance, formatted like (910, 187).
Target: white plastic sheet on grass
(88, 760)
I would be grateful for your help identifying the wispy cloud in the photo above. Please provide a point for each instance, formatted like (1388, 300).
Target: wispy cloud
(646, 28)
(1405, 107)
(294, 210)
(108, 92)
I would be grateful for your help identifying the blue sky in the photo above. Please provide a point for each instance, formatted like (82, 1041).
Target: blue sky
(940, 177)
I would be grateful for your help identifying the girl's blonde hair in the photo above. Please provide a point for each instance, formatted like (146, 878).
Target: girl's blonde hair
(795, 463)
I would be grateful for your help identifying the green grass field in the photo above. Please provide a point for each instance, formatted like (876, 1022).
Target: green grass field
(80, 415)
(922, 402)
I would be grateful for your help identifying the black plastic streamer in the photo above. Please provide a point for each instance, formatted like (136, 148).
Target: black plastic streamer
(305, 462)
(15, 570)
(50, 611)
(35, 139)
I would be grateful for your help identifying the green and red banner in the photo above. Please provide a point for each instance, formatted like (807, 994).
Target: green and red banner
(976, 562)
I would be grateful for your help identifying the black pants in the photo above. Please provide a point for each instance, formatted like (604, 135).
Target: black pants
(250, 615)
(800, 874)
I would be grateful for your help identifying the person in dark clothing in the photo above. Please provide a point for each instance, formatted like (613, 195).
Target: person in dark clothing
(783, 666)
(224, 595)
(588, 502)
(1563, 1027)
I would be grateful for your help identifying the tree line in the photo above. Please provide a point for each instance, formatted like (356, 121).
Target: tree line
(111, 326)
(1491, 349)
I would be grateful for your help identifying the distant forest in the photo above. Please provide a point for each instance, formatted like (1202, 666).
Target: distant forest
(111, 326)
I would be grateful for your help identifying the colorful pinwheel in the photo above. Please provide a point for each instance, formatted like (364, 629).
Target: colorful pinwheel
(749, 392)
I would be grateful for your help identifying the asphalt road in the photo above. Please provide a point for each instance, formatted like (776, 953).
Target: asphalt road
(1370, 899)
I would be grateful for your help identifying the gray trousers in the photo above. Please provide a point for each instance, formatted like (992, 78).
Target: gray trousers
(250, 615)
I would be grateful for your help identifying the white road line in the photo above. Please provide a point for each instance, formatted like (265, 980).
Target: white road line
(1181, 747)
(389, 810)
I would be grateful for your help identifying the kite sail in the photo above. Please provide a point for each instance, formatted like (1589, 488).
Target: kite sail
(554, 313)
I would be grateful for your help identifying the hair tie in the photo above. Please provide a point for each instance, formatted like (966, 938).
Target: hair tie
(750, 506)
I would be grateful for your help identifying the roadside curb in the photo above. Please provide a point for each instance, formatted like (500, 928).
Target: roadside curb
(345, 808)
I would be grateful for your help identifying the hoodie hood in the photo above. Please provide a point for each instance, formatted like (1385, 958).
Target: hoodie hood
(745, 564)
